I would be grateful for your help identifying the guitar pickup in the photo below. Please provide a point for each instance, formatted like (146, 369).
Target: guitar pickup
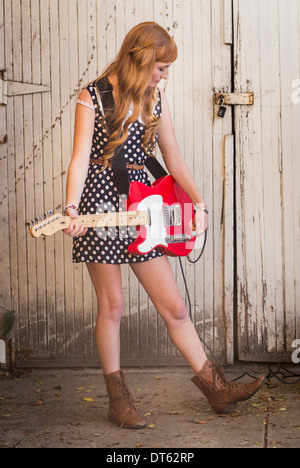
(178, 239)
(172, 215)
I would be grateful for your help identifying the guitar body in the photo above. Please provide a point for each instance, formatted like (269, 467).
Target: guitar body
(170, 213)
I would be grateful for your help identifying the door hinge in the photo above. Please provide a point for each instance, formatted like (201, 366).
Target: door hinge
(16, 88)
(232, 99)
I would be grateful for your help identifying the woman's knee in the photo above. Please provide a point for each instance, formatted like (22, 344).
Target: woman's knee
(111, 308)
(176, 315)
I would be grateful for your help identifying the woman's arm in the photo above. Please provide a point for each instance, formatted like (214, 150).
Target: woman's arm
(83, 137)
(177, 166)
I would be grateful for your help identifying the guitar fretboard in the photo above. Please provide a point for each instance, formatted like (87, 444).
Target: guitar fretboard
(127, 218)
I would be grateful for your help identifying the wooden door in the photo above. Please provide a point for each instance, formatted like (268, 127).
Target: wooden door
(60, 45)
(267, 62)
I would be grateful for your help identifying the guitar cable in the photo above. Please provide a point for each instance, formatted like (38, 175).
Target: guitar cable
(283, 375)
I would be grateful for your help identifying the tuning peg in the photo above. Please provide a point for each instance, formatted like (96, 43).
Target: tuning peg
(28, 225)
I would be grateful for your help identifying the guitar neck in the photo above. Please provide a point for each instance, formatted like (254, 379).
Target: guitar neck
(127, 218)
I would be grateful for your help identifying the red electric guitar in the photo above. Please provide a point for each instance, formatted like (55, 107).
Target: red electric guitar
(161, 213)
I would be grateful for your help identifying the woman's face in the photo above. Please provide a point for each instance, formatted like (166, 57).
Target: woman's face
(161, 71)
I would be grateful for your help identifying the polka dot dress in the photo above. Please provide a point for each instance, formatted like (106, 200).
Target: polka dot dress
(110, 245)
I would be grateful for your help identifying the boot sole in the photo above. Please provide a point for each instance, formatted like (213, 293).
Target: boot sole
(257, 390)
(233, 406)
(124, 426)
(227, 409)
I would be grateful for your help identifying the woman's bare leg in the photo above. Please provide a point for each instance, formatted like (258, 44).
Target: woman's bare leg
(108, 285)
(158, 280)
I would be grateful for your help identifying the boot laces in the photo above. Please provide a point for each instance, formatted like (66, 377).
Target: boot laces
(223, 382)
(126, 398)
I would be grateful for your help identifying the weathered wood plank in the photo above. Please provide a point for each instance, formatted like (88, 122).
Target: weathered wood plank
(19, 126)
(290, 119)
(57, 331)
(221, 81)
(5, 294)
(11, 202)
(28, 174)
(45, 319)
(36, 155)
(229, 267)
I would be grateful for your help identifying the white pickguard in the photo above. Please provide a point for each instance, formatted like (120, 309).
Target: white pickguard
(156, 231)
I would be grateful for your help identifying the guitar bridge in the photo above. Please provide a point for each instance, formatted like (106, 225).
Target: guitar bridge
(178, 239)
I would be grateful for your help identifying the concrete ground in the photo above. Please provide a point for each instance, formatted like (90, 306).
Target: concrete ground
(64, 408)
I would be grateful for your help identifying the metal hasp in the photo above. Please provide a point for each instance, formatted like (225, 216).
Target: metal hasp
(231, 99)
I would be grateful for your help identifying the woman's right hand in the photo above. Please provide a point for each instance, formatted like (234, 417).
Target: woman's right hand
(74, 230)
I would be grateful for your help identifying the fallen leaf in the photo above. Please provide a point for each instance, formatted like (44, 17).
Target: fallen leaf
(196, 421)
(151, 426)
(90, 400)
(147, 414)
(38, 403)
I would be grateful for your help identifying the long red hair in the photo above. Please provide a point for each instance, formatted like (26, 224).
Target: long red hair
(146, 44)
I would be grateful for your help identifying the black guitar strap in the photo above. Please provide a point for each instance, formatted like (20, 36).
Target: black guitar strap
(120, 172)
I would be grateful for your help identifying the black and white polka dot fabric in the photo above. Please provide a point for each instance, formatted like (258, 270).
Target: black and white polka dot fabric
(110, 245)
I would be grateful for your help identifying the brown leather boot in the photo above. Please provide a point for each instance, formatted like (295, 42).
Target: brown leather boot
(121, 405)
(221, 394)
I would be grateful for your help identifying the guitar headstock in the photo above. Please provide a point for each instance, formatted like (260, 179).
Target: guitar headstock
(47, 224)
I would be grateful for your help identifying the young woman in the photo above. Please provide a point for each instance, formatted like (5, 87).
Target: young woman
(137, 116)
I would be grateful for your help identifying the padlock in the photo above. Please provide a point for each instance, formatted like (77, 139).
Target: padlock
(222, 110)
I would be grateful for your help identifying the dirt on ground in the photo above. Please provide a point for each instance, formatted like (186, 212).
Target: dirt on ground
(65, 408)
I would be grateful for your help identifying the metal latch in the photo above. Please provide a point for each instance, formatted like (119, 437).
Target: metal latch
(232, 99)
